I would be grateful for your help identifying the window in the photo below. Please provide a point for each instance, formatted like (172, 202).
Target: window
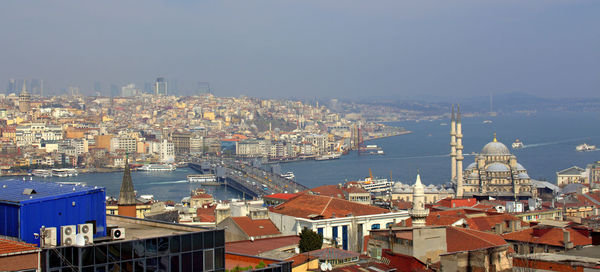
(208, 260)
(320, 231)
(389, 225)
(375, 226)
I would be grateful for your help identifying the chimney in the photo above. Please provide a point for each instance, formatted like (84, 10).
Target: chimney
(567, 240)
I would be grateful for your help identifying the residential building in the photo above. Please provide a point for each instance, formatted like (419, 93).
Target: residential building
(571, 175)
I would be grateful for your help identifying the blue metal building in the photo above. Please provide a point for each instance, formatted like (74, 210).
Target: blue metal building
(26, 206)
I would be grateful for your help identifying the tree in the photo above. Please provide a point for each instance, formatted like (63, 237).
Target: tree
(310, 240)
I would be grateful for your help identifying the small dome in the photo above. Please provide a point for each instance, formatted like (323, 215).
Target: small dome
(495, 148)
(497, 167)
(471, 166)
(523, 176)
(473, 176)
(520, 167)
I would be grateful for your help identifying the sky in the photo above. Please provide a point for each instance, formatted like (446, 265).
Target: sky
(308, 49)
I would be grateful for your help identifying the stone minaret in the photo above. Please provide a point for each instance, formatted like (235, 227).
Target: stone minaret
(418, 213)
(453, 143)
(459, 155)
(127, 201)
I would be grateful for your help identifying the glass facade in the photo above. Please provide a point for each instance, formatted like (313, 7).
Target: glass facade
(197, 251)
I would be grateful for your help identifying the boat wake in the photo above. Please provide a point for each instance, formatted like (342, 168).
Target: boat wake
(555, 142)
(168, 182)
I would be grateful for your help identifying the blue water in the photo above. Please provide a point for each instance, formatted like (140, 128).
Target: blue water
(549, 138)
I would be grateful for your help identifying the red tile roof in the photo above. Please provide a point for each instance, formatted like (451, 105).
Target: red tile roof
(548, 236)
(11, 247)
(454, 203)
(482, 223)
(257, 246)
(309, 206)
(206, 213)
(328, 190)
(282, 196)
(301, 259)
(403, 263)
(257, 227)
(460, 239)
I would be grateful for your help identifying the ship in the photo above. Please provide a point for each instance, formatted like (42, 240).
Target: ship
(371, 150)
(157, 167)
(517, 144)
(333, 156)
(64, 172)
(42, 173)
(585, 147)
(376, 185)
(487, 121)
(203, 179)
(288, 175)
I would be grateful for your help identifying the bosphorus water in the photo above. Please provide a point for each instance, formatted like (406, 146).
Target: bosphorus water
(550, 139)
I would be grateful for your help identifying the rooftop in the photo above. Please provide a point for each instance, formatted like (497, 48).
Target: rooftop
(136, 228)
(317, 206)
(258, 246)
(10, 247)
(256, 227)
(21, 192)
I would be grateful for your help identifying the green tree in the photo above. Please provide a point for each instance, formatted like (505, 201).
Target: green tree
(310, 240)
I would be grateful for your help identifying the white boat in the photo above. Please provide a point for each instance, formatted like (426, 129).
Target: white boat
(211, 179)
(376, 185)
(157, 167)
(487, 121)
(517, 144)
(43, 173)
(332, 156)
(585, 147)
(288, 175)
(64, 172)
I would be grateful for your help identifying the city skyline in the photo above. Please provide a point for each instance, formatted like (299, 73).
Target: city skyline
(309, 49)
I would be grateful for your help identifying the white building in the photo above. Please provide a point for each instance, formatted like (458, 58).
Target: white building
(342, 223)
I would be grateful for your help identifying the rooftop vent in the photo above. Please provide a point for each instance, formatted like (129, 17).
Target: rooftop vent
(28, 191)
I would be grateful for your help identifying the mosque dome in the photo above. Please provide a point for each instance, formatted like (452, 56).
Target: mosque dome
(520, 167)
(523, 176)
(495, 148)
(471, 166)
(497, 167)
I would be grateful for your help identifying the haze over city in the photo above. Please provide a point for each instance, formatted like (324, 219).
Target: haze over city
(353, 49)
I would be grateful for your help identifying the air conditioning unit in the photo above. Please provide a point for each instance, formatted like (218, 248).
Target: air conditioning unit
(117, 233)
(67, 235)
(49, 237)
(87, 230)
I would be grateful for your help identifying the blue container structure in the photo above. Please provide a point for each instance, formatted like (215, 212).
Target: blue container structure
(26, 206)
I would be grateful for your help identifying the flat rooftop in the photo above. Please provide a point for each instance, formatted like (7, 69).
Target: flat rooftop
(136, 228)
(19, 191)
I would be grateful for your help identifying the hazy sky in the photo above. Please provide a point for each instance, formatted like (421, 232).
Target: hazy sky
(304, 48)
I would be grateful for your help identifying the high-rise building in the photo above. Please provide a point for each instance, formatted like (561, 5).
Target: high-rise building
(37, 87)
(129, 90)
(160, 86)
(12, 86)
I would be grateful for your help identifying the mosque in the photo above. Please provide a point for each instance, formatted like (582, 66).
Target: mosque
(495, 172)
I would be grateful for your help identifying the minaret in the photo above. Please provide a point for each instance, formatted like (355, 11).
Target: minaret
(127, 201)
(453, 143)
(459, 155)
(418, 213)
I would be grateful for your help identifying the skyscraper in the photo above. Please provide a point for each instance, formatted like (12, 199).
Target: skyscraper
(160, 86)
(12, 86)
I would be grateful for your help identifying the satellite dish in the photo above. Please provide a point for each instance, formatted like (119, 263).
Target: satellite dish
(79, 239)
(323, 267)
(329, 266)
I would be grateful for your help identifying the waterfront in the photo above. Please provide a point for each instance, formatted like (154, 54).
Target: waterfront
(549, 138)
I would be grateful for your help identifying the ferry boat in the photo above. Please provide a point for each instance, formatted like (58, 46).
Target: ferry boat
(585, 147)
(43, 173)
(289, 175)
(64, 172)
(372, 150)
(517, 144)
(376, 185)
(333, 156)
(487, 121)
(157, 167)
(204, 179)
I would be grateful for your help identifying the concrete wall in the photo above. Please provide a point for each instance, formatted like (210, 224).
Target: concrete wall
(429, 243)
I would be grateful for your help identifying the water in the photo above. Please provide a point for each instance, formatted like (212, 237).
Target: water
(549, 138)
(169, 185)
